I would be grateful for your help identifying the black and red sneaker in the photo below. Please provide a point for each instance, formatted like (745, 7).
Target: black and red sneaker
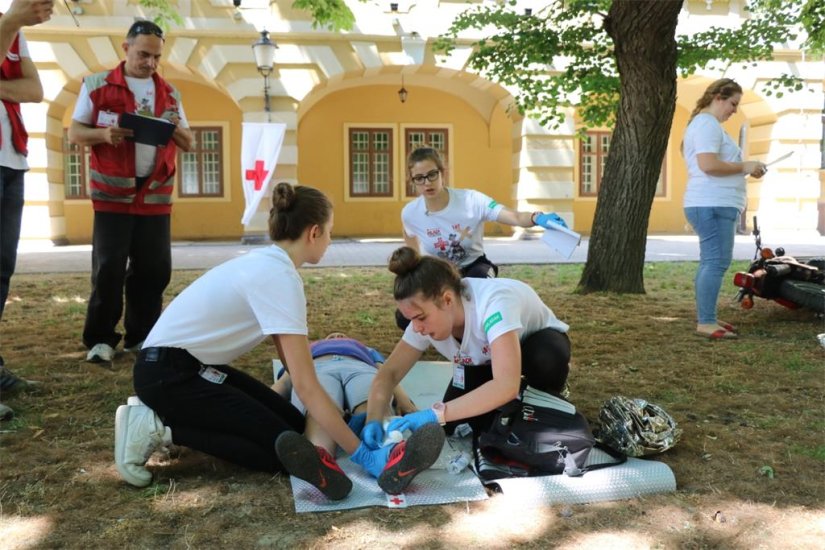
(411, 457)
(314, 465)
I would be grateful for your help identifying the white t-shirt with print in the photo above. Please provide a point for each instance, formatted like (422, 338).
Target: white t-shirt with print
(144, 91)
(704, 134)
(9, 157)
(456, 232)
(233, 307)
(492, 307)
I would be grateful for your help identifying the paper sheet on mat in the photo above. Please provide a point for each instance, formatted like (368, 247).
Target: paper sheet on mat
(425, 384)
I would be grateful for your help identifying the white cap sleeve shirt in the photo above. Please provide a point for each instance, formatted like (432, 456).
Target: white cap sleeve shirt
(492, 307)
(704, 134)
(455, 233)
(233, 307)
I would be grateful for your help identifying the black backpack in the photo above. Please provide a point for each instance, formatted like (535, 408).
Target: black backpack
(531, 440)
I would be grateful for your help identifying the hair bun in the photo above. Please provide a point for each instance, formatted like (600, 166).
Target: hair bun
(283, 196)
(404, 260)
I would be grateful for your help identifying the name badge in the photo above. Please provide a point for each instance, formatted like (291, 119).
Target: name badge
(106, 119)
(458, 376)
(212, 375)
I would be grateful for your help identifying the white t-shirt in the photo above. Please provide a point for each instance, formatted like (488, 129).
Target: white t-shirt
(232, 307)
(492, 307)
(456, 232)
(704, 134)
(144, 91)
(9, 157)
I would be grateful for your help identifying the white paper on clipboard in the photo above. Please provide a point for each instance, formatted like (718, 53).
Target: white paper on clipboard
(562, 240)
(783, 157)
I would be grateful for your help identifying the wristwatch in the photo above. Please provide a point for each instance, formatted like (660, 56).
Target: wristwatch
(440, 410)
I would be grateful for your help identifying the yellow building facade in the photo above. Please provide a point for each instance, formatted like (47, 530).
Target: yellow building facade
(348, 133)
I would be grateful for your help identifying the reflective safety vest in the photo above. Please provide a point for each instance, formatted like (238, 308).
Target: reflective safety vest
(112, 169)
(11, 69)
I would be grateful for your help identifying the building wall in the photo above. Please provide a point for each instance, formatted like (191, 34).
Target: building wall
(480, 158)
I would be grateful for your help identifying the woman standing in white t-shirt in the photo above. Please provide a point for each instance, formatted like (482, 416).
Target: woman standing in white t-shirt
(715, 196)
(493, 330)
(190, 396)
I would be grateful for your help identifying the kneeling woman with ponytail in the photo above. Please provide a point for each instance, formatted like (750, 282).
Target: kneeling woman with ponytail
(495, 331)
(189, 395)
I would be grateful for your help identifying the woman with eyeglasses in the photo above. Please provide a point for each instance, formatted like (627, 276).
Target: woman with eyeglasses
(449, 223)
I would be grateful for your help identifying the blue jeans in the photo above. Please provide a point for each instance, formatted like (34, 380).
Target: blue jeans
(716, 227)
(11, 216)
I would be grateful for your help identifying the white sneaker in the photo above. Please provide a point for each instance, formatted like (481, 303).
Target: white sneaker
(101, 353)
(138, 433)
(134, 400)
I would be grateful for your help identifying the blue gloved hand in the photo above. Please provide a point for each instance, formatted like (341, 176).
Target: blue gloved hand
(373, 434)
(372, 460)
(544, 218)
(376, 356)
(412, 421)
(356, 423)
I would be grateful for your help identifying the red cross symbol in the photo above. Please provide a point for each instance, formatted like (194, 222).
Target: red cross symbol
(396, 500)
(258, 174)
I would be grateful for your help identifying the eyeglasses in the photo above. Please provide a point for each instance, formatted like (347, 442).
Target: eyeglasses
(144, 27)
(430, 176)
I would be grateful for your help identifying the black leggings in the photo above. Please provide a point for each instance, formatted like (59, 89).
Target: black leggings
(237, 420)
(545, 364)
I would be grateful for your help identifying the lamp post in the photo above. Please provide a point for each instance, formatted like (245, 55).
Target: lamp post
(264, 50)
(402, 93)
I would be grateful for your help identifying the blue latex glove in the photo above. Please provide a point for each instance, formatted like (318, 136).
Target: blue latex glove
(543, 219)
(376, 356)
(373, 434)
(356, 423)
(413, 421)
(372, 460)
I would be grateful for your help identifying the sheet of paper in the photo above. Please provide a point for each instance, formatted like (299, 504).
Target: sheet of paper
(561, 239)
(783, 157)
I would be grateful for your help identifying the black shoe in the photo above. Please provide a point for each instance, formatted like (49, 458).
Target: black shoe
(411, 457)
(312, 464)
(10, 382)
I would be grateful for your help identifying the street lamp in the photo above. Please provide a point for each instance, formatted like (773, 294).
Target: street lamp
(402, 93)
(264, 50)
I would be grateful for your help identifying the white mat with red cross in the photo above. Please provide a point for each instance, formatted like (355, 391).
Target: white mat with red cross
(425, 384)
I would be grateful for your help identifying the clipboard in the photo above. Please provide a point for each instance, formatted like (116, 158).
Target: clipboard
(147, 130)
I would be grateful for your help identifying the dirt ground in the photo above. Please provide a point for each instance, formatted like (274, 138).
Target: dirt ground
(750, 467)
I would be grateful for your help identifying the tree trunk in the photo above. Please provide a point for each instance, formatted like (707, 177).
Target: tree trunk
(643, 33)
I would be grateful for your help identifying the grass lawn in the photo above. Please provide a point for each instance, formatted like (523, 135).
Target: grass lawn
(753, 447)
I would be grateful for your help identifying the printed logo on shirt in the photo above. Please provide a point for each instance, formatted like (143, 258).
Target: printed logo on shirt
(435, 232)
(460, 358)
(12, 57)
(491, 321)
(492, 204)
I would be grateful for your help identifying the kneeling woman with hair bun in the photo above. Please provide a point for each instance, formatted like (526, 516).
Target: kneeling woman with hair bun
(495, 331)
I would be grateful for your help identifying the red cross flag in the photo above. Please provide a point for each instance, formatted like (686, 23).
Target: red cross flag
(260, 148)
